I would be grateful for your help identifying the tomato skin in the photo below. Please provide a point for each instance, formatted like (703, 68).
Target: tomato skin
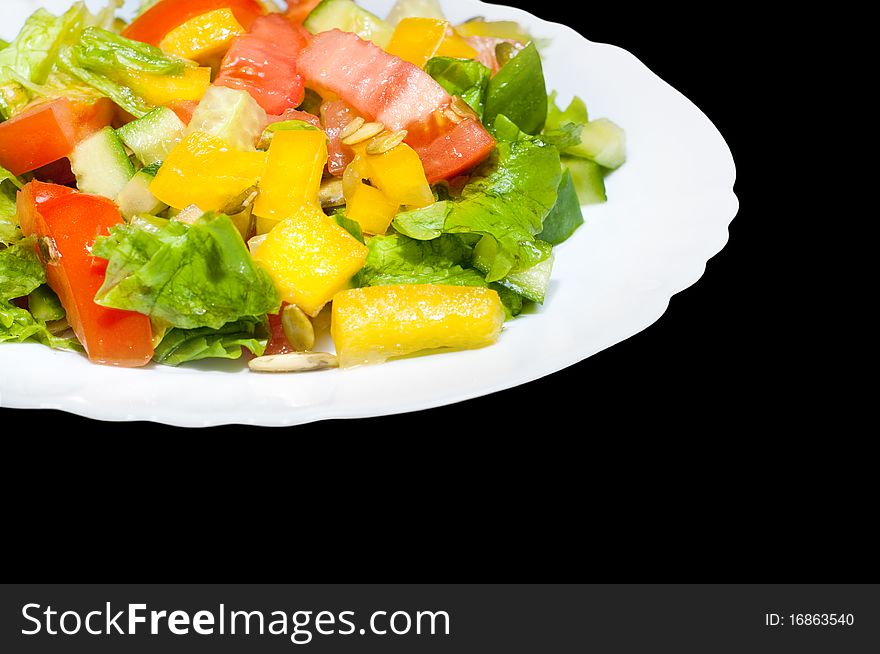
(156, 22)
(263, 63)
(57, 172)
(49, 131)
(72, 221)
(184, 109)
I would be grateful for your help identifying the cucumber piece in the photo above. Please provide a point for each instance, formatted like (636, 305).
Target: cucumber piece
(101, 165)
(136, 197)
(345, 15)
(152, 137)
(602, 141)
(231, 115)
(415, 9)
(588, 178)
(530, 283)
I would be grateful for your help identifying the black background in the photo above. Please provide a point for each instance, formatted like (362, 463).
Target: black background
(685, 452)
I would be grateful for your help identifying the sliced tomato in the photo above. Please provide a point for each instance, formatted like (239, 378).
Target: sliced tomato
(336, 114)
(298, 10)
(460, 147)
(71, 222)
(49, 131)
(152, 26)
(57, 172)
(278, 343)
(398, 94)
(263, 63)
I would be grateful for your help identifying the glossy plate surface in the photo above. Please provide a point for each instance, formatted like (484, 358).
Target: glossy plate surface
(668, 213)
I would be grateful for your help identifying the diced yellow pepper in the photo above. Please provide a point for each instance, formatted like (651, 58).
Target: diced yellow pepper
(204, 37)
(159, 90)
(416, 39)
(371, 325)
(372, 209)
(455, 46)
(398, 173)
(293, 176)
(498, 29)
(204, 171)
(310, 258)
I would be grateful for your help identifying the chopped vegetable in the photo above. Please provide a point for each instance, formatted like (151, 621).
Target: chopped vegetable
(155, 23)
(371, 325)
(416, 40)
(181, 346)
(231, 115)
(203, 37)
(518, 91)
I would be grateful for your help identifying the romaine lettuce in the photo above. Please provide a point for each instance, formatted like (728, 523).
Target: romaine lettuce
(184, 345)
(17, 325)
(9, 186)
(106, 53)
(187, 276)
(463, 77)
(509, 203)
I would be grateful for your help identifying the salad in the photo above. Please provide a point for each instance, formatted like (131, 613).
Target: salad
(229, 178)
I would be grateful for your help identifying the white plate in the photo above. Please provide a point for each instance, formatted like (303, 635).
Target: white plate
(668, 213)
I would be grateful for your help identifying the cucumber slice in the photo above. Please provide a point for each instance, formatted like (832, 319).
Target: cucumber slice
(415, 9)
(345, 15)
(101, 165)
(588, 178)
(231, 115)
(136, 197)
(152, 137)
(532, 283)
(44, 304)
(602, 141)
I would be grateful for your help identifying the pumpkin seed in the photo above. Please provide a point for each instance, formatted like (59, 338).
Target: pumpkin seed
(352, 127)
(298, 328)
(189, 214)
(367, 131)
(331, 193)
(296, 362)
(256, 242)
(386, 142)
(462, 108)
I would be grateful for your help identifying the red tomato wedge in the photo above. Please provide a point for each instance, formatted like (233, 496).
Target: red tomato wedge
(264, 63)
(398, 94)
(72, 221)
(336, 115)
(49, 131)
(152, 26)
(458, 149)
(298, 10)
(184, 109)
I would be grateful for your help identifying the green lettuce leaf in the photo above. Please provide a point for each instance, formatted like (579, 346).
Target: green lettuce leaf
(123, 96)
(185, 345)
(463, 77)
(21, 271)
(33, 52)
(509, 203)
(106, 53)
(398, 259)
(566, 216)
(187, 276)
(18, 326)
(576, 112)
(9, 186)
(519, 92)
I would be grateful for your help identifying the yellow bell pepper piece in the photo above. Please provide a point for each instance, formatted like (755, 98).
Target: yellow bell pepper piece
(498, 29)
(159, 90)
(204, 171)
(204, 37)
(416, 39)
(370, 325)
(372, 209)
(293, 176)
(310, 258)
(398, 173)
(455, 46)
